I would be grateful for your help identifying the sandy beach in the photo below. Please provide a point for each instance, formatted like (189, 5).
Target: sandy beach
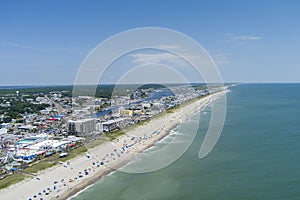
(66, 179)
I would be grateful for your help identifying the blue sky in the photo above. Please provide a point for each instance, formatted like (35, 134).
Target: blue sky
(44, 42)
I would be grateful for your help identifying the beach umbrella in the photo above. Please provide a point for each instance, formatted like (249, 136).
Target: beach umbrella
(14, 169)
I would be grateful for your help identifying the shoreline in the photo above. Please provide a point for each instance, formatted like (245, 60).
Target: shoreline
(95, 172)
(84, 187)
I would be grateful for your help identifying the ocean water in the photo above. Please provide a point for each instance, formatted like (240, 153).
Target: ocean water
(256, 157)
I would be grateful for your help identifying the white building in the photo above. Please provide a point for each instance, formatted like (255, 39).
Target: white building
(111, 125)
(82, 126)
(3, 131)
(6, 125)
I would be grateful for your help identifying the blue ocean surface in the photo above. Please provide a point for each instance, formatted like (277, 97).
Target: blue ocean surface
(256, 157)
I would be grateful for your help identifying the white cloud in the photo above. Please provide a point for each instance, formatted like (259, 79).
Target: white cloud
(236, 37)
(245, 37)
(221, 58)
(154, 58)
(169, 47)
(11, 44)
(165, 56)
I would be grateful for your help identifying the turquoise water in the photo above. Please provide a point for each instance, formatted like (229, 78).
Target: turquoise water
(257, 156)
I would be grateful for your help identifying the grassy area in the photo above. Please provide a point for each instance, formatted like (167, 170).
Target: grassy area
(95, 143)
(12, 179)
(52, 160)
(38, 166)
(74, 153)
(115, 134)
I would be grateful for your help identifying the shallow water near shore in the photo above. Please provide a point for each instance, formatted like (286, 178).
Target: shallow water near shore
(256, 157)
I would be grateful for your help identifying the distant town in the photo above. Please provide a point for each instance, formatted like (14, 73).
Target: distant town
(41, 127)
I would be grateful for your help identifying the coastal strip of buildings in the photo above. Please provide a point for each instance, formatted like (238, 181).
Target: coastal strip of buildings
(67, 122)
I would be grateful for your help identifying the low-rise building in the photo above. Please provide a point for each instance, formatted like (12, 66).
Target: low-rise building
(111, 125)
(127, 113)
(3, 131)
